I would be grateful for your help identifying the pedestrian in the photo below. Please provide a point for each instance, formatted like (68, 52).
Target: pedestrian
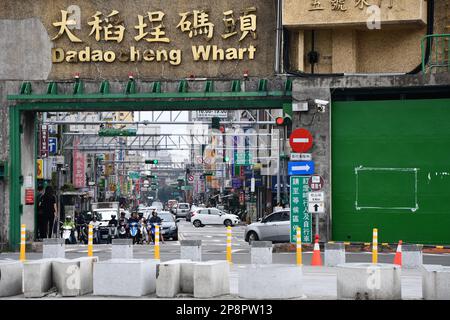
(40, 215)
(49, 212)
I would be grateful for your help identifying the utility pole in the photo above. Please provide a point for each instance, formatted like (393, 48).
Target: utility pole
(278, 168)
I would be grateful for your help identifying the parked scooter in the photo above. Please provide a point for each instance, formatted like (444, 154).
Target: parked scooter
(83, 233)
(152, 231)
(68, 231)
(135, 232)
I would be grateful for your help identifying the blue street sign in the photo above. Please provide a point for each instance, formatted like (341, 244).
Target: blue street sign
(52, 145)
(300, 168)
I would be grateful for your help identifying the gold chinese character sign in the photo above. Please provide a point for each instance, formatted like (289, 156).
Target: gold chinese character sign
(166, 40)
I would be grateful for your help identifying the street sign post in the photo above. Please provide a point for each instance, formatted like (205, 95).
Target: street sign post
(301, 140)
(301, 156)
(300, 217)
(316, 197)
(316, 207)
(300, 168)
(316, 182)
(52, 145)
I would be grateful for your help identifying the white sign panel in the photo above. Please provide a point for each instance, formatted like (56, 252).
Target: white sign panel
(316, 197)
(301, 156)
(316, 207)
(212, 114)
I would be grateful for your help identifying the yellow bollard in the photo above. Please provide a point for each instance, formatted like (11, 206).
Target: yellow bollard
(375, 246)
(299, 246)
(157, 242)
(90, 240)
(22, 242)
(229, 244)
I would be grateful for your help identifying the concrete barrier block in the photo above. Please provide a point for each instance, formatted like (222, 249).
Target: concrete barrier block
(187, 276)
(412, 257)
(53, 248)
(366, 281)
(11, 276)
(211, 279)
(122, 249)
(435, 282)
(74, 277)
(126, 278)
(37, 277)
(334, 254)
(270, 282)
(261, 252)
(191, 250)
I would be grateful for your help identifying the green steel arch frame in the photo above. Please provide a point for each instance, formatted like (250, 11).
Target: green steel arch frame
(130, 100)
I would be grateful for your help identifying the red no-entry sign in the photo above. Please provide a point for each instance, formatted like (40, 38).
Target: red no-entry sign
(301, 140)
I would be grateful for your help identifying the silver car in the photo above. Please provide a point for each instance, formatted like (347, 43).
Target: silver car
(274, 227)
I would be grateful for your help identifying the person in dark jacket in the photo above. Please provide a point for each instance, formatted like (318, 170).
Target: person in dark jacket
(40, 214)
(49, 212)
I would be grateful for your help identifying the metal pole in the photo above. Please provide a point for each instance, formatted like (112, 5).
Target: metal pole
(278, 170)
(285, 178)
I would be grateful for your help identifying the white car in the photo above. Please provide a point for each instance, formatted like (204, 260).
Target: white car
(182, 210)
(205, 216)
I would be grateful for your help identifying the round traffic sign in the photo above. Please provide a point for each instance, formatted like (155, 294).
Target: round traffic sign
(301, 140)
(191, 178)
(316, 182)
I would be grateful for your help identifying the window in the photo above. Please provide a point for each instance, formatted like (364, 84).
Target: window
(214, 212)
(204, 211)
(285, 216)
(274, 217)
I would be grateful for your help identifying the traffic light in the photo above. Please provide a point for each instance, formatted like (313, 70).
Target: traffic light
(151, 161)
(283, 121)
(215, 123)
(226, 159)
(152, 176)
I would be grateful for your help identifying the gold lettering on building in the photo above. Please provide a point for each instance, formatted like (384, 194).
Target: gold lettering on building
(338, 5)
(315, 5)
(362, 4)
(150, 27)
(157, 29)
(64, 25)
(214, 53)
(200, 25)
(112, 27)
(230, 24)
(248, 23)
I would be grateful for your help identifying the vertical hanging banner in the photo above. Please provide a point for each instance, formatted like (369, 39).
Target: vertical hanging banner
(43, 141)
(300, 217)
(79, 166)
(40, 169)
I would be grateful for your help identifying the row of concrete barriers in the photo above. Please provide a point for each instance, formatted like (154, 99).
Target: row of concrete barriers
(261, 280)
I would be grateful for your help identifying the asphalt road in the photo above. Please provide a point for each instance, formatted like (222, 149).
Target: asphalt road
(214, 248)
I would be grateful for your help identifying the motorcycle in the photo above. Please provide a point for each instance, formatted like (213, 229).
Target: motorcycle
(152, 229)
(135, 232)
(113, 233)
(67, 234)
(144, 233)
(83, 234)
(96, 234)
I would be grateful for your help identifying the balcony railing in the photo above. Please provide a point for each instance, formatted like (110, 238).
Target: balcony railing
(439, 46)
